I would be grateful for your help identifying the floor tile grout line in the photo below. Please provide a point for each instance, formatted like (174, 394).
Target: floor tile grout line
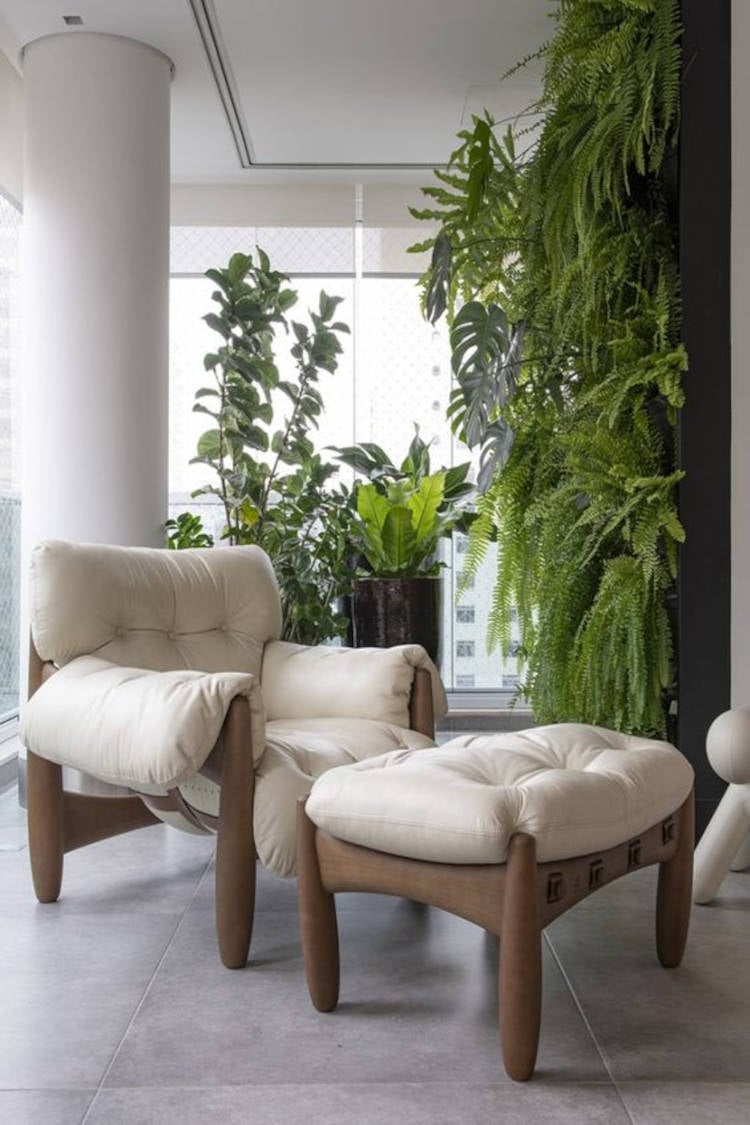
(506, 1084)
(145, 992)
(587, 1024)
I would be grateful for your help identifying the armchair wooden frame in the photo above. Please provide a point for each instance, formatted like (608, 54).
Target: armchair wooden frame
(514, 901)
(61, 821)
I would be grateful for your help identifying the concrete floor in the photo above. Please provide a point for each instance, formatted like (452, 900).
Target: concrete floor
(114, 1008)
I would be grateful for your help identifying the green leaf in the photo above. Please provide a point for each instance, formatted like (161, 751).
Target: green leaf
(399, 540)
(209, 445)
(367, 458)
(238, 267)
(247, 513)
(255, 438)
(372, 507)
(328, 305)
(480, 168)
(439, 277)
(484, 361)
(199, 408)
(219, 324)
(497, 445)
(454, 481)
(417, 461)
(221, 279)
(287, 298)
(424, 505)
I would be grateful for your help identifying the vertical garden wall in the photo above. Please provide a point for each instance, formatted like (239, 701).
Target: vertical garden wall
(557, 259)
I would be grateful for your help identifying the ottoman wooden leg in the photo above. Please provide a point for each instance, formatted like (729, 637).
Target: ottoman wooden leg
(520, 961)
(674, 895)
(317, 917)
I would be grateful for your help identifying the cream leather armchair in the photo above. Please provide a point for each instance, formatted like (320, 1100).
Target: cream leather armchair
(161, 672)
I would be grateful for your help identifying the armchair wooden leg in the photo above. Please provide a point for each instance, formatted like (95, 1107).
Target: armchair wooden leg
(675, 892)
(520, 961)
(317, 918)
(46, 819)
(235, 846)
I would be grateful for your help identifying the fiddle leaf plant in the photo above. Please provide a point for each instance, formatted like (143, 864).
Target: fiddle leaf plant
(275, 489)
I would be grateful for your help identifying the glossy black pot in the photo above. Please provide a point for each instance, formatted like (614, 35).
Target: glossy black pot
(397, 611)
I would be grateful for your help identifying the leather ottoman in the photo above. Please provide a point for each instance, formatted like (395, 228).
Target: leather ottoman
(506, 830)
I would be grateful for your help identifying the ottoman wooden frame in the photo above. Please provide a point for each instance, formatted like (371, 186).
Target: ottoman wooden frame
(514, 900)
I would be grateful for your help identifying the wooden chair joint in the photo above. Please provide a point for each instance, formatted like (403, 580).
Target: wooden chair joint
(555, 887)
(634, 854)
(596, 874)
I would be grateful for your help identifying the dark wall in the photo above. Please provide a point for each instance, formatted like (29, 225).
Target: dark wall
(705, 433)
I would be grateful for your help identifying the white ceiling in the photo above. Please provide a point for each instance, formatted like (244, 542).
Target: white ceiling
(332, 84)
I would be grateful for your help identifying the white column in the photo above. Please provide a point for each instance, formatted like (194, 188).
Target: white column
(96, 276)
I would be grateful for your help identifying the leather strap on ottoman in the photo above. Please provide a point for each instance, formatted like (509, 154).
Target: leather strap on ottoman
(506, 830)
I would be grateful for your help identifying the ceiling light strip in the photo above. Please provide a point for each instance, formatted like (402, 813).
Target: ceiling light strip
(207, 23)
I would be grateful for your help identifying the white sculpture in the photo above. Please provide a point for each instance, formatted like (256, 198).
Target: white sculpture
(726, 842)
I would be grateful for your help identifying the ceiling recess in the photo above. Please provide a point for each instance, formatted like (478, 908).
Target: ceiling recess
(217, 57)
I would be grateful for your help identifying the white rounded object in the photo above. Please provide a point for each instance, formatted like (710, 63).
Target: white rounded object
(728, 745)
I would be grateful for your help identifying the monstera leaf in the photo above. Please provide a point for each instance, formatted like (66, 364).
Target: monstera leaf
(441, 271)
(486, 358)
(496, 449)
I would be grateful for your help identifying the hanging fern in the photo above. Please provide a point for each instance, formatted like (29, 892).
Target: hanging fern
(565, 225)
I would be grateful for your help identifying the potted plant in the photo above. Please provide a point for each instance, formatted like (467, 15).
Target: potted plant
(275, 490)
(401, 514)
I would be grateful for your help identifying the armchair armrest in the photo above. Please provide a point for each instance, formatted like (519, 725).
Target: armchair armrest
(305, 682)
(132, 726)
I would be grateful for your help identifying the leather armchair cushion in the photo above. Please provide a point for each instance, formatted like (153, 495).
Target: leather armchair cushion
(576, 789)
(211, 609)
(301, 682)
(132, 727)
(297, 752)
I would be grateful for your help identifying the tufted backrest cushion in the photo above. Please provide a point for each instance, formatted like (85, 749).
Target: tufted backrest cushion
(211, 609)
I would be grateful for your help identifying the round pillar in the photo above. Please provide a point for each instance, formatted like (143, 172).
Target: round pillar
(96, 290)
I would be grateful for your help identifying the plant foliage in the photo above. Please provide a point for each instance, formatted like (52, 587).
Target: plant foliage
(401, 513)
(563, 234)
(187, 531)
(276, 491)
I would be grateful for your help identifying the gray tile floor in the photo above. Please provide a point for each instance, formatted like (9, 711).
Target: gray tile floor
(114, 1008)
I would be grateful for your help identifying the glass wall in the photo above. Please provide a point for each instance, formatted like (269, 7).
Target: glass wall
(10, 453)
(395, 371)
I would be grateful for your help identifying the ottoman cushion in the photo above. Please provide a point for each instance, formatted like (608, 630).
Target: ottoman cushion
(577, 789)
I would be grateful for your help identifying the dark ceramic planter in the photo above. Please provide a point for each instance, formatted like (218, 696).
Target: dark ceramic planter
(397, 611)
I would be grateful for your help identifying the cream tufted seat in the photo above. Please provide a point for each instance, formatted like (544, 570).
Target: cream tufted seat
(574, 788)
(161, 672)
(505, 830)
